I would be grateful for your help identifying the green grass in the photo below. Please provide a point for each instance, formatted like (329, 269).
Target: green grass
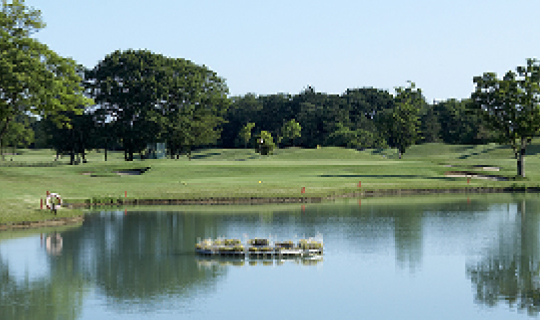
(235, 173)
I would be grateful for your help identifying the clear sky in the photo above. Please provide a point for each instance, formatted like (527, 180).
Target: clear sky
(267, 47)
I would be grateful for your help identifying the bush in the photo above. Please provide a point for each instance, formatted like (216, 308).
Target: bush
(267, 146)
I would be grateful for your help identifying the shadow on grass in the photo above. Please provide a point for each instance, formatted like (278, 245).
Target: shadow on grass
(206, 155)
(477, 153)
(533, 149)
(393, 176)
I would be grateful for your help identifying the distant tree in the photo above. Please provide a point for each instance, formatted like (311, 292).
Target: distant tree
(34, 79)
(243, 109)
(458, 125)
(343, 137)
(402, 124)
(275, 109)
(245, 133)
(430, 127)
(511, 106)
(291, 130)
(319, 113)
(364, 105)
(360, 139)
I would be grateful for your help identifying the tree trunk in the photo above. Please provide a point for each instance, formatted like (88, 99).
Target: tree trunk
(521, 158)
(521, 163)
(106, 147)
(3, 132)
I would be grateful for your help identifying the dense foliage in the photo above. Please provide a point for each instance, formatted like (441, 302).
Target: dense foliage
(33, 78)
(511, 106)
(359, 118)
(143, 98)
(149, 98)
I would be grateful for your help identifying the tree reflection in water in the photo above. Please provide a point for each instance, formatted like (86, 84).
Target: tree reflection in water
(59, 295)
(145, 259)
(509, 270)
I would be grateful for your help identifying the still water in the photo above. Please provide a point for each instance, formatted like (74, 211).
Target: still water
(434, 257)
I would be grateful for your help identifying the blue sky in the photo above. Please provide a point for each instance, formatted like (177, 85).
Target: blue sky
(267, 47)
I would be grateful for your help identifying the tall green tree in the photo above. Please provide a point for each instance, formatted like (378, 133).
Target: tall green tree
(151, 98)
(194, 107)
(402, 124)
(126, 85)
(33, 78)
(511, 106)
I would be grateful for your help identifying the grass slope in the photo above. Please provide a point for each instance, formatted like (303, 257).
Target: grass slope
(236, 173)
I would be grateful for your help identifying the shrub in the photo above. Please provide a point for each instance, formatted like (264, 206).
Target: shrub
(267, 146)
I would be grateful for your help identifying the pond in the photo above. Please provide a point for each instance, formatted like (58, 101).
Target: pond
(435, 257)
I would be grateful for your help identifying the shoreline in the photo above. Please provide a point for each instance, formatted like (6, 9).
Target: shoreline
(41, 223)
(267, 200)
(255, 201)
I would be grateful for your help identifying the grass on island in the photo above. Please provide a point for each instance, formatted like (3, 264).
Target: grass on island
(241, 173)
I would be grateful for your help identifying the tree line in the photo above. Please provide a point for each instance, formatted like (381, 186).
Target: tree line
(134, 98)
(359, 118)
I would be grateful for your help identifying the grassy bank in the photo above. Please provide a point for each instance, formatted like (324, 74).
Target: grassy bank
(218, 173)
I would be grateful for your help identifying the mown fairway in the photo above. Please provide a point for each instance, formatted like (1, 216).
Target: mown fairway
(236, 173)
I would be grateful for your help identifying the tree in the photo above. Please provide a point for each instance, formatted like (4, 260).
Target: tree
(265, 143)
(194, 106)
(402, 123)
(430, 126)
(511, 106)
(125, 85)
(458, 125)
(243, 109)
(74, 139)
(291, 130)
(33, 78)
(245, 133)
(151, 97)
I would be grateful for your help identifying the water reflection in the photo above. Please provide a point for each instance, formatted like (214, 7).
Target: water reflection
(210, 263)
(509, 270)
(143, 257)
(53, 244)
(58, 295)
(144, 262)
